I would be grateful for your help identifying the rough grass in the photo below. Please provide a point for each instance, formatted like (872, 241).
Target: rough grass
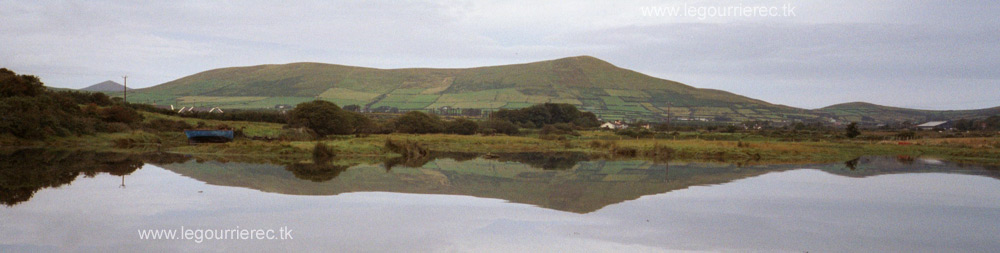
(690, 145)
(250, 129)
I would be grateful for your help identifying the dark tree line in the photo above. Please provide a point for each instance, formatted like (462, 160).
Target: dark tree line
(326, 118)
(30, 111)
(241, 115)
(988, 124)
(546, 114)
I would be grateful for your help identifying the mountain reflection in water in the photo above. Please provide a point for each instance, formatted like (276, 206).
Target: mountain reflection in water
(570, 182)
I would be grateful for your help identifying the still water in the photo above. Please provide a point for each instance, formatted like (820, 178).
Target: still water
(79, 201)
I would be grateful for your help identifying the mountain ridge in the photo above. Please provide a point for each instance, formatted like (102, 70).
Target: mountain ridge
(105, 86)
(869, 112)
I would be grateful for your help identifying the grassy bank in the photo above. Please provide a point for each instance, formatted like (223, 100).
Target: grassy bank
(976, 150)
(725, 147)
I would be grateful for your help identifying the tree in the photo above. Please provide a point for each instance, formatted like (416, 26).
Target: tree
(852, 130)
(12, 84)
(415, 122)
(323, 117)
(548, 113)
(121, 114)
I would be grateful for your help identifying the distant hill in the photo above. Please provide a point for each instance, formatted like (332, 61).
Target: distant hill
(590, 83)
(105, 86)
(867, 112)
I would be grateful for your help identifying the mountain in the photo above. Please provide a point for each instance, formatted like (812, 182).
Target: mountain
(587, 82)
(105, 86)
(867, 112)
(590, 83)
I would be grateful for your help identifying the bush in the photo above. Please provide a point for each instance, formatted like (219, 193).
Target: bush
(602, 144)
(852, 130)
(415, 122)
(378, 128)
(635, 132)
(115, 127)
(624, 151)
(120, 114)
(496, 126)
(461, 126)
(559, 129)
(906, 135)
(324, 118)
(14, 85)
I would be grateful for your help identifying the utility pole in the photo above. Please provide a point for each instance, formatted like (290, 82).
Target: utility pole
(125, 91)
(669, 104)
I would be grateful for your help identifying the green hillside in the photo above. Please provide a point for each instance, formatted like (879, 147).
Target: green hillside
(587, 82)
(866, 112)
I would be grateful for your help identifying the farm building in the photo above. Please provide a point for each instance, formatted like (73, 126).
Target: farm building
(935, 125)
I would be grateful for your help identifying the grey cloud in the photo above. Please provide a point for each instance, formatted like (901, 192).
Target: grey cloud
(898, 53)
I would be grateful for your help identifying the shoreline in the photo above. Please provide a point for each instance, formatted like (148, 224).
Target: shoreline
(977, 150)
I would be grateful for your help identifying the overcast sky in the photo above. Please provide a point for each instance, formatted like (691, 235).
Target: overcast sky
(920, 54)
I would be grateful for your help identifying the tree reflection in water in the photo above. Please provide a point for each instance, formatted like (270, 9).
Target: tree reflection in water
(23, 172)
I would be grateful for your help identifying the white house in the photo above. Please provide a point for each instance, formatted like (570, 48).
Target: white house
(200, 109)
(617, 124)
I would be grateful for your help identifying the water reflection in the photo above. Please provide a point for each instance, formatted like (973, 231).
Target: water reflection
(516, 205)
(23, 172)
(571, 182)
(562, 181)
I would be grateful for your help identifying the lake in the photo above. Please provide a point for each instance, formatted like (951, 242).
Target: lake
(98, 202)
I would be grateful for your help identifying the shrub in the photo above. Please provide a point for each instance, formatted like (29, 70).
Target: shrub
(120, 114)
(415, 122)
(115, 127)
(624, 151)
(635, 132)
(165, 125)
(552, 137)
(906, 135)
(461, 126)
(496, 126)
(323, 117)
(852, 130)
(12, 84)
(559, 129)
